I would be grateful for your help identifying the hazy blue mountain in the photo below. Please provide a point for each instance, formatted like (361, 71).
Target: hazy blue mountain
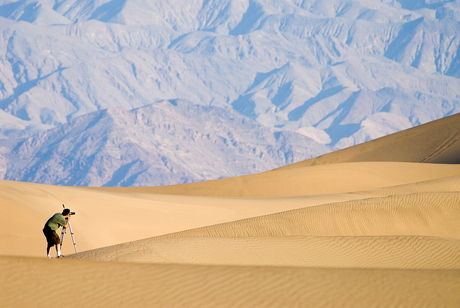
(339, 72)
(163, 143)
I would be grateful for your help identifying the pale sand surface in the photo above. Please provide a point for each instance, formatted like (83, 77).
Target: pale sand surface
(26, 282)
(342, 230)
(392, 252)
(367, 249)
(309, 180)
(424, 214)
(433, 142)
(109, 218)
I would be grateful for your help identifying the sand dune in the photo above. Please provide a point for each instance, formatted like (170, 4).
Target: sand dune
(309, 180)
(389, 232)
(370, 226)
(392, 252)
(434, 142)
(424, 214)
(109, 218)
(113, 284)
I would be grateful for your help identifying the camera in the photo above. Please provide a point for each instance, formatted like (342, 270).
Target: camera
(65, 210)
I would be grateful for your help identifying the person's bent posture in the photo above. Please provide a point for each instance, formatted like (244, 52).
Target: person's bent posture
(52, 238)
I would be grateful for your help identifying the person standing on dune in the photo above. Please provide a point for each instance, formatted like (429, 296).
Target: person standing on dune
(52, 238)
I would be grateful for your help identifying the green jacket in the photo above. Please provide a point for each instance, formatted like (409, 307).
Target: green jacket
(56, 221)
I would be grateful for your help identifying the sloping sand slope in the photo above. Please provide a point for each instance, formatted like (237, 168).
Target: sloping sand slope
(392, 252)
(110, 217)
(433, 142)
(330, 232)
(309, 180)
(417, 230)
(112, 284)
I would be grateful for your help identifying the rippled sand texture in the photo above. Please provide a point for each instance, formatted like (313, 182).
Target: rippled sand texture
(376, 225)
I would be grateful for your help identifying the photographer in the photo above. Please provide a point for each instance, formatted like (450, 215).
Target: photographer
(58, 220)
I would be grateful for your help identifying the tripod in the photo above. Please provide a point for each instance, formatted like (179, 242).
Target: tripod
(64, 231)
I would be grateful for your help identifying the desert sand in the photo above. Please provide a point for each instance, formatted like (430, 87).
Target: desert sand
(375, 225)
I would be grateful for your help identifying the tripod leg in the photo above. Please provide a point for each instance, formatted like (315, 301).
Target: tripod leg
(62, 235)
(73, 239)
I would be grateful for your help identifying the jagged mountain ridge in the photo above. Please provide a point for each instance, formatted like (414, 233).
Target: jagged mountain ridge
(339, 72)
(164, 143)
(157, 53)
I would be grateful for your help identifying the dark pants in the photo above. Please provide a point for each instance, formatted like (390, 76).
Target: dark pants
(51, 237)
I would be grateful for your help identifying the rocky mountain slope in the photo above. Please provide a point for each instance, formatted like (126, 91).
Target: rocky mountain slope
(337, 72)
(164, 143)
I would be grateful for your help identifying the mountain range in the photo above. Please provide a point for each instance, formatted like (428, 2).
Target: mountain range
(166, 142)
(136, 92)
